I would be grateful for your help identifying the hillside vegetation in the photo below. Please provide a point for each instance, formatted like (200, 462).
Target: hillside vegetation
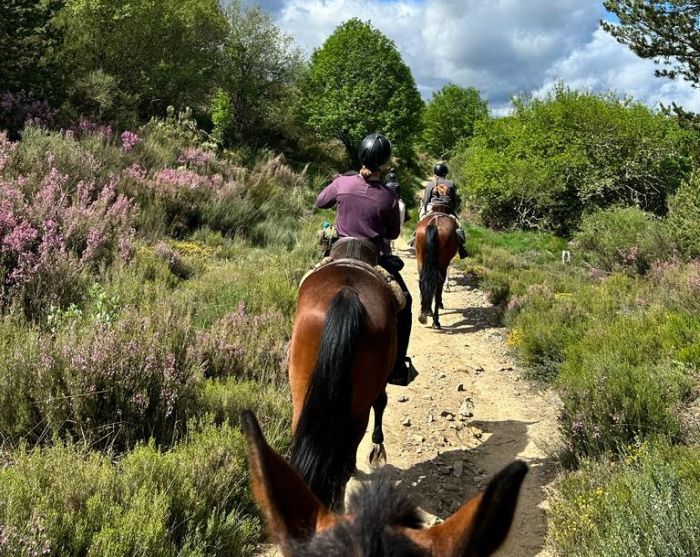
(136, 325)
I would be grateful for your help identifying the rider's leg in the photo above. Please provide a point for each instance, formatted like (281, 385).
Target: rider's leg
(404, 321)
(462, 241)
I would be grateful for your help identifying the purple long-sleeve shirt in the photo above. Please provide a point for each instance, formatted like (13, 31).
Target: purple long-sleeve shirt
(366, 210)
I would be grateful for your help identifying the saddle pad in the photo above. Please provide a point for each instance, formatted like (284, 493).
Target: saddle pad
(379, 273)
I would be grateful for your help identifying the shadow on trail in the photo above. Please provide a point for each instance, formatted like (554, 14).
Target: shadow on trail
(473, 319)
(435, 486)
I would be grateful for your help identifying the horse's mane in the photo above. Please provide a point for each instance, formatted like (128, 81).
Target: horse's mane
(376, 506)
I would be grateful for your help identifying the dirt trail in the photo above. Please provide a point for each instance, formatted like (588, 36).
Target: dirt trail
(435, 447)
(446, 456)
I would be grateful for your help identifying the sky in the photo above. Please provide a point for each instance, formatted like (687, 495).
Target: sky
(501, 47)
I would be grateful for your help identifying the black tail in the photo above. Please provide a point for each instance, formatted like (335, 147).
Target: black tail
(431, 278)
(323, 450)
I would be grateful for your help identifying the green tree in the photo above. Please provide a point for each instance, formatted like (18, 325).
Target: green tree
(259, 69)
(667, 32)
(159, 52)
(449, 118)
(358, 84)
(570, 153)
(27, 43)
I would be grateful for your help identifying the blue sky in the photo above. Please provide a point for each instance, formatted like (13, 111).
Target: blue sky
(501, 47)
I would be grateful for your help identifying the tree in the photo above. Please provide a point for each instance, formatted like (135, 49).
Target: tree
(667, 32)
(159, 52)
(556, 158)
(260, 66)
(27, 43)
(449, 118)
(358, 84)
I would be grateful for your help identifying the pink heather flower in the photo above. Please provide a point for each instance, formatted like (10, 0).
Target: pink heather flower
(197, 158)
(7, 148)
(136, 172)
(168, 178)
(20, 239)
(95, 241)
(129, 140)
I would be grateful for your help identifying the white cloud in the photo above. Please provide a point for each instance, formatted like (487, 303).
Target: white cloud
(501, 47)
(603, 64)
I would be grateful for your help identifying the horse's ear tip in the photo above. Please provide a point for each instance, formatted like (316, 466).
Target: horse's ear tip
(251, 428)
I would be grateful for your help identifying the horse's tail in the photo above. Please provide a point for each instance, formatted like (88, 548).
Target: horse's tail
(431, 278)
(323, 450)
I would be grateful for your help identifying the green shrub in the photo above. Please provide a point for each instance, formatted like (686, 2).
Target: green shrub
(572, 152)
(192, 500)
(619, 383)
(683, 221)
(645, 506)
(622, 239)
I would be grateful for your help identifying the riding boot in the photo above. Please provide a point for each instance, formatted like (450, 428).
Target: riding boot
(404, 320)
(462, 240)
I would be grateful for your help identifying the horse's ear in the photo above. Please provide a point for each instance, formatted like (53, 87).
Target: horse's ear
(480, 527)
(291, 510)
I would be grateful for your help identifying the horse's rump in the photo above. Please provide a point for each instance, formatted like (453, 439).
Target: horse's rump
(342, 351)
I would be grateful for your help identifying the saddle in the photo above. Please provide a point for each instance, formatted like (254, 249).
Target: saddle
(364, 255)
(356, 249)
(437, 211)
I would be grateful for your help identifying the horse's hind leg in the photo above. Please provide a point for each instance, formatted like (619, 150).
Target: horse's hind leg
(377, 456)
(438, 306)
(447, 285)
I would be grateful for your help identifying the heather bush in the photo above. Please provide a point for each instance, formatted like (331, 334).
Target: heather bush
(621, 348)
(108, 384)
(52, 239)
(610, 402)
(246, 346)
(647, 504)
(81, 156)
(622, 239)
(192, 500)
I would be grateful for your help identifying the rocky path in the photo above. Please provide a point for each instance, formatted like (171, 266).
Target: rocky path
(467, 414)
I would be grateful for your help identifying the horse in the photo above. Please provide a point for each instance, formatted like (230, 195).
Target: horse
(342, 352)
(436, 244)
(381, 519)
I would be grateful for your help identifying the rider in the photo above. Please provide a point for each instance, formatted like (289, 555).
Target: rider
(443, 192)
(369, 210)
(392, 182)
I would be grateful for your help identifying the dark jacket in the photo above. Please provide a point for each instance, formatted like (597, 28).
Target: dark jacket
(432, 195)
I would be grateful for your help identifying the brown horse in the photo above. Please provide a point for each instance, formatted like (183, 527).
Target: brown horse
(381, 521)
(436, 245)
(342, 352)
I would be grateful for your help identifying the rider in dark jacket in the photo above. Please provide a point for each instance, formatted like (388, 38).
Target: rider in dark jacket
(369, 210)
(443, 192)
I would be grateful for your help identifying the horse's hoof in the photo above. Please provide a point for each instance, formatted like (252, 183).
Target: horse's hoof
(441, 306)
(377, 456)
(423, 319)
(437, 325)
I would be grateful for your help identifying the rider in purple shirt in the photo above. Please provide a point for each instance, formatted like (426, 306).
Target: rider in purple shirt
(368, 210)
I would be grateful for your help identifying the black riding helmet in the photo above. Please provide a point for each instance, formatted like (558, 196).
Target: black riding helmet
(441, 170)
(392, 178)
(375, 151)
